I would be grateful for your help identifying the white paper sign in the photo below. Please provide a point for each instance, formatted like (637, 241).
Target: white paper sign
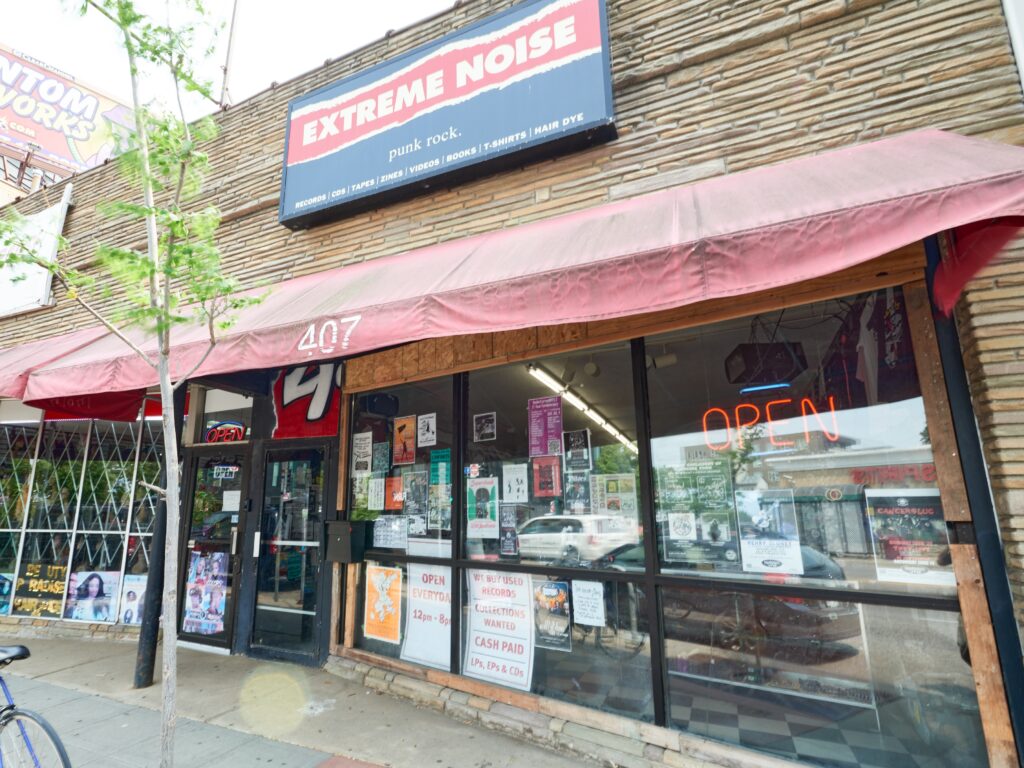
(500, 635)
(426, 430)
(391, 532)
(769, 532)
(428, 623)
(682, 526)
(588, 603)
(375, 496)
(231, 501)
(515, 487)
(362, 453)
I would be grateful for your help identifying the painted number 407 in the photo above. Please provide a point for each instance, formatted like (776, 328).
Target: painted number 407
(329, 335)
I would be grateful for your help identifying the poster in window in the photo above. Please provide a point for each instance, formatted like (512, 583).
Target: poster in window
(769, 532)
(514, 484)
(696, 504)
(362, 453)
(394, 495)
(576, 447)
(544, 425)
(552, 627)
(499, 648)
(482, 508)
(682, 526)
(382, 614)
(485, 427)
(205, 593)
(426, 430)
(508, 535)
(92, 595)
(6, 593)
(404, 443)
(39, 589)
(439, 495)
(391, 532)
(415, 490)
(307, 401)
(360, 494)
(614, 494)
(908, 535)
(133, 595)
(381, 457)
(375, 495)
(577, 493)
(428, 623)
(547, 476)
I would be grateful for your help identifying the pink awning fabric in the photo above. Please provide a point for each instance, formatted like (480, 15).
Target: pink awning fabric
(16, 363)
(722, 237)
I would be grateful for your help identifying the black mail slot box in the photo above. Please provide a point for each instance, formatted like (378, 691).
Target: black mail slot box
(346, 541)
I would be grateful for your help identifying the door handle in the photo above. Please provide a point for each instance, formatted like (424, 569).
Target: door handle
(234, 541)
(256, 545)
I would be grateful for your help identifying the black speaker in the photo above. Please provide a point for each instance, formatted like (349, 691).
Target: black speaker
(765, 363)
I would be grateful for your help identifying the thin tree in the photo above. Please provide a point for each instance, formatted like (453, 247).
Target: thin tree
(175, 280)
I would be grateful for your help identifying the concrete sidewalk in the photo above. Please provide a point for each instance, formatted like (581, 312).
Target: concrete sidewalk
(236, 711)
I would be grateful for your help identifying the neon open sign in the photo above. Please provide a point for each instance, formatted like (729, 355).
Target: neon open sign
(775, 415)
(225, 432)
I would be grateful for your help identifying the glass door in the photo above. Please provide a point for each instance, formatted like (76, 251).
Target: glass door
(210, 576)
(288, 554)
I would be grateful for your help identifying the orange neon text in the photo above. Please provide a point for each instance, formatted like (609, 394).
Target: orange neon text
(775, 415)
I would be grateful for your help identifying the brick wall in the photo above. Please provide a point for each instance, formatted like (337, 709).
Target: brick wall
(702, 88)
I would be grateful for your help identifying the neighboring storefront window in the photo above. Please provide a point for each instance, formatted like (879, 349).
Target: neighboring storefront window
(88, 521)
(43, 569)
(551, 461)
(95, 578)
(17, 446)
(400, 466)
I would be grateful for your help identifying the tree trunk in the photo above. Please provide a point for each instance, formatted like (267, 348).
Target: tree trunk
(170, 602)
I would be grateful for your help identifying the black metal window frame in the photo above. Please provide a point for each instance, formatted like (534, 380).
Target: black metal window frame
(652, 580)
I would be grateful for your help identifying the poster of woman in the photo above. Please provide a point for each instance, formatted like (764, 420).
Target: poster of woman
(92, 595)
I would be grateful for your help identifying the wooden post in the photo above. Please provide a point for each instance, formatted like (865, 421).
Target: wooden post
(977, 619)
(340, 607)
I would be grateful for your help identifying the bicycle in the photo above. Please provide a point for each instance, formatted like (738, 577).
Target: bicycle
(26, 739)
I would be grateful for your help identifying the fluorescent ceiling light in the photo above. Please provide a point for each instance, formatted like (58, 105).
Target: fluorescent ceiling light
(580, 404)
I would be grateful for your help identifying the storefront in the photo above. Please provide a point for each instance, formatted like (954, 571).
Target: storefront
(682, 474)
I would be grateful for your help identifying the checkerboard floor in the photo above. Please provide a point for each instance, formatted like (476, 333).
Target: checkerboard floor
(855, 738)
(809, 730)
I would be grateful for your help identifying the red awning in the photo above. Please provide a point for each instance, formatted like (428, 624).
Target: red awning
(722, 237)
(16, 363)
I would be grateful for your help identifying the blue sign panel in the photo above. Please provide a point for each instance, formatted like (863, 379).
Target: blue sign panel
(527, 82)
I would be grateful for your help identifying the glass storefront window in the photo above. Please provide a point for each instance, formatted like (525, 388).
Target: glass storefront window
(405, 612)
(792, 447)
(581, 641)
(400, 466)
(827, 682)
(551, 461)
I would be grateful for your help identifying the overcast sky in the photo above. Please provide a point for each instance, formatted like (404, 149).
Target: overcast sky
(273, 40)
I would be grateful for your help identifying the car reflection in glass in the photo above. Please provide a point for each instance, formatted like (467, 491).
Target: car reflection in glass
(808, 630)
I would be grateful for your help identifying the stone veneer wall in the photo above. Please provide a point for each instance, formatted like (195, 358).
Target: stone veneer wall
(610, 739)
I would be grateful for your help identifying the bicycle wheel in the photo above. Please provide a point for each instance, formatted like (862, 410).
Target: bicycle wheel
(624, 639)
(28, 741)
